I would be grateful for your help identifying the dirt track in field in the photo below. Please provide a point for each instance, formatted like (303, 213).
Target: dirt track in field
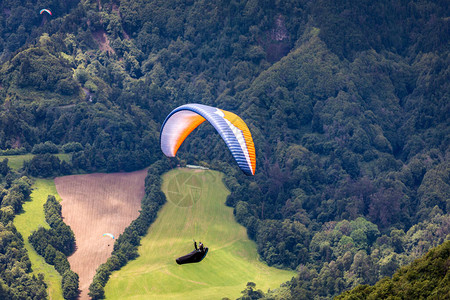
(95, 204)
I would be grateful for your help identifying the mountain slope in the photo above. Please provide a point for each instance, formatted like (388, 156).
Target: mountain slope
(348, 104)
(426, 278)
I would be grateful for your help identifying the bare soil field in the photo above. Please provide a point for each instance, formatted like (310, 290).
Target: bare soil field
(95, 204)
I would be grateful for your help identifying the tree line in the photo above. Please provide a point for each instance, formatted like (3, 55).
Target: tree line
(16, 278)
(55, 244)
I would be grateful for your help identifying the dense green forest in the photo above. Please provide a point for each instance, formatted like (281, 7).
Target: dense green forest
(425, 278)
(347, 101)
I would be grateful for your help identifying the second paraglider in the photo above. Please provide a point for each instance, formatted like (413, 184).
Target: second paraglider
(45, 10)
(109, 234)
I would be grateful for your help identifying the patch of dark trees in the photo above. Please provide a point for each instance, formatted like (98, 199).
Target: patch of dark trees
(55, 244)
(16, 278)
(47, 165)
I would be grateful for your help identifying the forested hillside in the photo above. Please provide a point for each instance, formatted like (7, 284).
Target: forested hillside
(425, 278)
(348, 104)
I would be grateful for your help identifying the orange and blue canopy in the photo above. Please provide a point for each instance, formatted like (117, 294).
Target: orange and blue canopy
(184, 119)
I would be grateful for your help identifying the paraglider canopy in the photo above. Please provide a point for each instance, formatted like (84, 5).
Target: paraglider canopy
(109, 234)
(184, 119)
(45, 10)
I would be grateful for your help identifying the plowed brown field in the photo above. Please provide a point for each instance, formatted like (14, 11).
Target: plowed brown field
(95, 204)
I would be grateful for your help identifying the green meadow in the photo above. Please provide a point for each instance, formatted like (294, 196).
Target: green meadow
(31, 219)
(195, 210)
(15, 162)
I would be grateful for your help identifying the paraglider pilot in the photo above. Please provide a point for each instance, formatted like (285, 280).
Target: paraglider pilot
(200, 246)
(195, 256)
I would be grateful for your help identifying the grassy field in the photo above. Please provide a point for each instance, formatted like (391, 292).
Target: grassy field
(195, 209)
(29, 220)
(16, 161)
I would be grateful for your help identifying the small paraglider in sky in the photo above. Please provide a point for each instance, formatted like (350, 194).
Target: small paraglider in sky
(109, 234)
(45, 10)
(233, 130)
(44, 13)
